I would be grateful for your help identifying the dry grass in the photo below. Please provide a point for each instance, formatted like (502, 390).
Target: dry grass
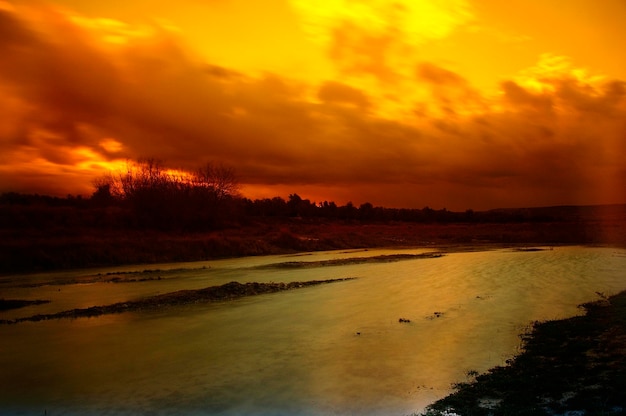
(66, 248)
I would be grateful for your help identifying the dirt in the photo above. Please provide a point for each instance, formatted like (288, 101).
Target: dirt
(226, 292)
(8, 304)
(574, 366)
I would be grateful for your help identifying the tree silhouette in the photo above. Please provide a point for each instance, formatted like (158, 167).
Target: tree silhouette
(217, 179)
(162, 198)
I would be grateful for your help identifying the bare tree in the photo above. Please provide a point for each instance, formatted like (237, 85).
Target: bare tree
(162, 198)
(218, 179)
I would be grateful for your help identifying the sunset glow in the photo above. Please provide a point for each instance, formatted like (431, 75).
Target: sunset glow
(457, 103)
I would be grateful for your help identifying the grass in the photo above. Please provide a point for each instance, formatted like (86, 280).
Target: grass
(34, 249)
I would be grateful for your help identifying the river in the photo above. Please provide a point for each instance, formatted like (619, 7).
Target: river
(335, 349)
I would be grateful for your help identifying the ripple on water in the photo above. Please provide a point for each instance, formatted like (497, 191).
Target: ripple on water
(296, 352)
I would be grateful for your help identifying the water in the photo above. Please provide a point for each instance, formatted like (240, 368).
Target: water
(335, 349)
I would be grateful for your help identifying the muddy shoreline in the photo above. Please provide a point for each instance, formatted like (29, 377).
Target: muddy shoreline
(574, 366)
(353, 260)
(226, 292)
(8, 304)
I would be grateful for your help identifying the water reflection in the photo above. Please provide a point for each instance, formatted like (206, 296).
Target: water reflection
(296, 352)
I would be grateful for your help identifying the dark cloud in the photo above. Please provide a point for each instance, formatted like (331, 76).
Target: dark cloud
(521, 98)
(437, 75)
(66, 93)
(221, 72)
(336, 92)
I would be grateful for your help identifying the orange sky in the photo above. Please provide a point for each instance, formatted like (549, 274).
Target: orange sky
(407, 103)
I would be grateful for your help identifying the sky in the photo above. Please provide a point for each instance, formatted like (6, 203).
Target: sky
(457, 104)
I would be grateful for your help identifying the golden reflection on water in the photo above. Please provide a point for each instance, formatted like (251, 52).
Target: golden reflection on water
(337, 348)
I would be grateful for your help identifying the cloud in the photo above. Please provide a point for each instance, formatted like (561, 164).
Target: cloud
(76, 101)
(519, 97)
(381, 37)
(439, 76)
(336, 92)
(416, 22)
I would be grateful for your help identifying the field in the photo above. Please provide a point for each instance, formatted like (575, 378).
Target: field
(55, 242)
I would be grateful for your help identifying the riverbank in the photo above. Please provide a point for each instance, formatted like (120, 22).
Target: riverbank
(575, 366)
(32, 250)
(228, 291)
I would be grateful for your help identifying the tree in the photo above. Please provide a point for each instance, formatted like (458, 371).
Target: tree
(162, 198)
(366, 211)
(294, 205)
(348, 211)
(218, 179)
(103, 195)
(145, 179)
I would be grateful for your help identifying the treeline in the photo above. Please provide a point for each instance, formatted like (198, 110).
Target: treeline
(146, 195)
(295, 206)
